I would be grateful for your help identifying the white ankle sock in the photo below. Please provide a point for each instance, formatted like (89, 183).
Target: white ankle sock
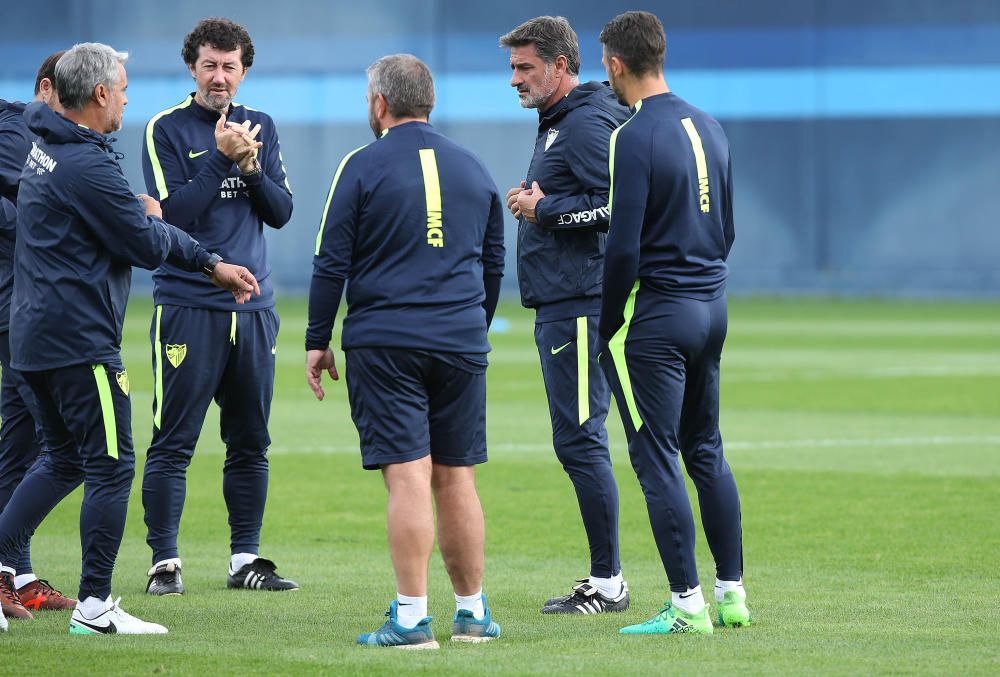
(175, 560)
(410, 610)
(691, 601)
(473, 603)
(239, 560)
(7, 570)
(722, 587)
(22, 580)
(92, 607)
(609, 587)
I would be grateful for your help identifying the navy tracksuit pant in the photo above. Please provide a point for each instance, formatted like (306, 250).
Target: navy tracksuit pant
(578, 398)
(663, 367)
(86, 421)
(200, 355)
(20, 441)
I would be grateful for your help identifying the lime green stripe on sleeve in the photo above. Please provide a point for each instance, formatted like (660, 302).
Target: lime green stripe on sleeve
(158, 387)
(611, 161)
(154, 160)
(582, 370)
(329, 197)
(107, 409)
(617, 347)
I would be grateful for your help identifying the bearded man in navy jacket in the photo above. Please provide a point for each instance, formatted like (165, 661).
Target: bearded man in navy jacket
(216, 167)
(562, 212)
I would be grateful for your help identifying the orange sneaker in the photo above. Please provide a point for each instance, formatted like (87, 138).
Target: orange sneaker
(40, 595)
(10, 602)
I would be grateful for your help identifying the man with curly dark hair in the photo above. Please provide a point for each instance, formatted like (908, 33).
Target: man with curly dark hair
(216, 168)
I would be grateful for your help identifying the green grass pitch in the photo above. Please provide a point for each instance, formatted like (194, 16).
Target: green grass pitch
(865, 438)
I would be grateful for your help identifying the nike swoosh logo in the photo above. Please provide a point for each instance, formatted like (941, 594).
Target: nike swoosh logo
(193, 155)
(274, 350)
(556, 351)
(109, 629)
(686, 596)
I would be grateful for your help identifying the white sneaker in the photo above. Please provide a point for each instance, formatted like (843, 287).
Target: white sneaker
(112, 620)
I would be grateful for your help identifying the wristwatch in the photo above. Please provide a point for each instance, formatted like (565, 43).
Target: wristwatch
(256, 171)
(208, 268)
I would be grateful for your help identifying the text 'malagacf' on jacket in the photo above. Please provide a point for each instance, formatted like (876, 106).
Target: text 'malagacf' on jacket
(15, 142)
(560, 259)
(202, 192)
(414, 223)
(80, 229)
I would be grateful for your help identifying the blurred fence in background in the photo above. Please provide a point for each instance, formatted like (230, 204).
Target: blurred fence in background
(864, 133)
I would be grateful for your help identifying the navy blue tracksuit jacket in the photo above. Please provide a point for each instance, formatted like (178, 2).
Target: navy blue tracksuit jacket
(430, 245)
(202, 192)
(15, 142)
(73, 265)
(559, 259)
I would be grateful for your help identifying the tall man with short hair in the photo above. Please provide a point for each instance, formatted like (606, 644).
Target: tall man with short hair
(19, 436)
(664, 319)
(562, 212)
(79, 232)
(217, 177)
(415, 221)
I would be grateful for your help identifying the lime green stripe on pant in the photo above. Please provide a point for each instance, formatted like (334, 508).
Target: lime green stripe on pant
(617, 347)
(107, 409)
(582, 370)
(158, 387)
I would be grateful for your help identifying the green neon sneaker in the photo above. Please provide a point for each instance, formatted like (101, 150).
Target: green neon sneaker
(733, 612)
(671, 621)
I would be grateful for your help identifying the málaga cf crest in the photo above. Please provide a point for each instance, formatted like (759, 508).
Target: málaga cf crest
(176, 354)
(551, 137)
(122, 378)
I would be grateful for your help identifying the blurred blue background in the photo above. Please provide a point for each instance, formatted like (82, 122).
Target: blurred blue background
(863, 132)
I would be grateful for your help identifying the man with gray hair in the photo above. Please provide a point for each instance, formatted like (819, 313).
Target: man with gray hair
(562, 212)
(416, 222)
(20, 443)
(80, 229)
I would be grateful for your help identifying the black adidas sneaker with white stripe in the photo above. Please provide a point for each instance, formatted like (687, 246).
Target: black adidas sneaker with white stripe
(260, 574)
(587, 599)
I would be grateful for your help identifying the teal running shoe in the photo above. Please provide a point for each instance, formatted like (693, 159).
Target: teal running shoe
(671, 621)
(467, 629)
(395, 635)
(733, 612)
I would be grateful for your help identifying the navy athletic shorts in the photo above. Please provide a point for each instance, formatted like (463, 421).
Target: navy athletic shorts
(407, 404)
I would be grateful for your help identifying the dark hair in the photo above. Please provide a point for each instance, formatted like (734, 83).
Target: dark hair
(637, 39)
(552, 37)
(406, 83)
(220, 33)
(47, 71)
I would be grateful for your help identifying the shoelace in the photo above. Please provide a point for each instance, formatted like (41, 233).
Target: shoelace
(47, 588)
(8, 591)
(264, 567)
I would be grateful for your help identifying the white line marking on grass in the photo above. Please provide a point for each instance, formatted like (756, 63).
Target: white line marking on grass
(878, 372)
(925, 441)
(919, 441)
